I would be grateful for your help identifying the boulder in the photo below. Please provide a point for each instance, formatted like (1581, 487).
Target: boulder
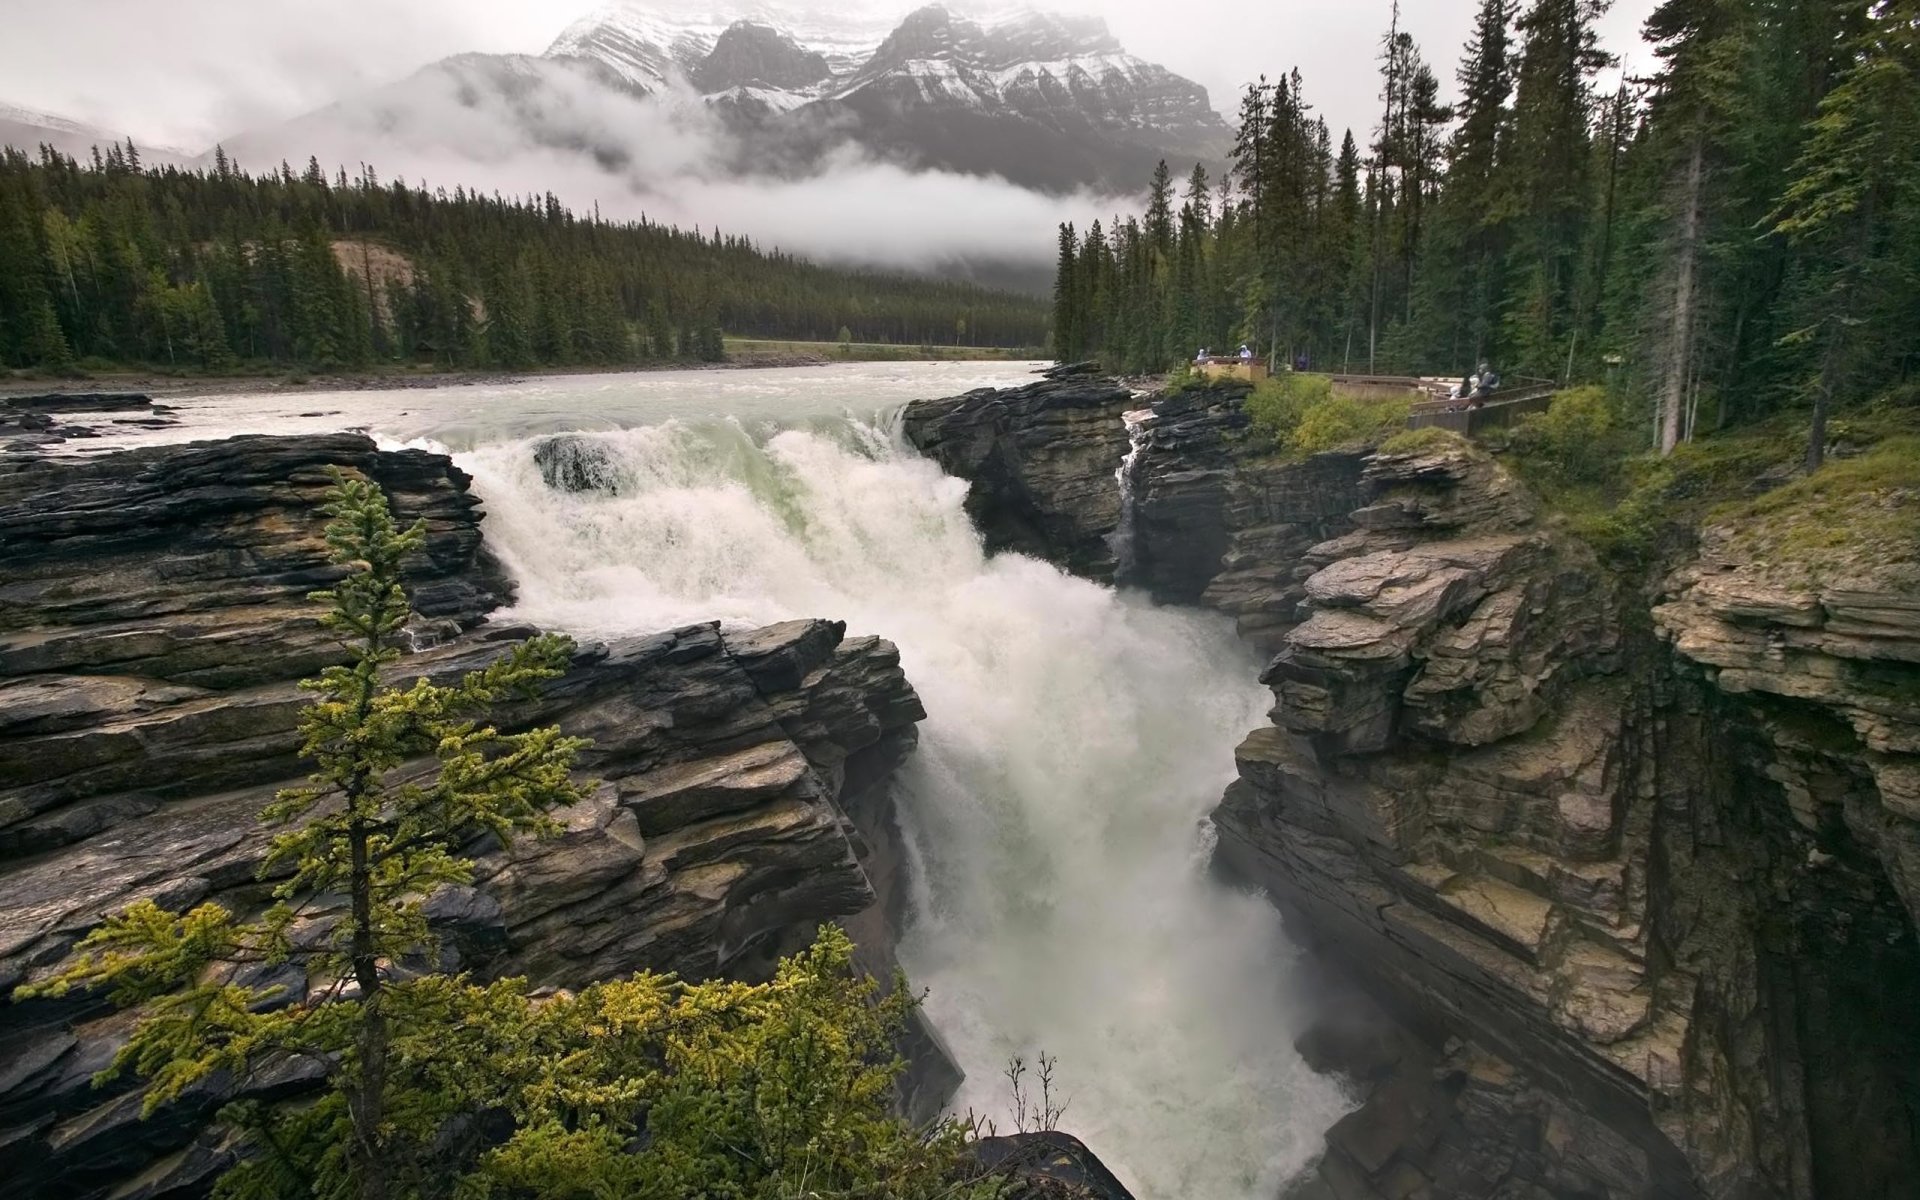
(575, 462)
(1047, 1165)
(32, 423)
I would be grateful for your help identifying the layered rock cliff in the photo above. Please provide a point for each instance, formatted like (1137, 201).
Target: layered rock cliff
(153, 625)
(1631, 864)
(1042, 460)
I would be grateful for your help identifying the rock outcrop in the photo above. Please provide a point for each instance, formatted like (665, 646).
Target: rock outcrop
(29, 423)
(153, 624)
(1041, 461)
(1447, 801)
(1047, 1165)
(1794, 873)
(1632, 879)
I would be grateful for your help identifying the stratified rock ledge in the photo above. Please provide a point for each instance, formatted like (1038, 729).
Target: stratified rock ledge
(1630, 881)
(153, 626)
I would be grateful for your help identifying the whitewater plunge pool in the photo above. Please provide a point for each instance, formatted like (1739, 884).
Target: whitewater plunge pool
(1076, 737)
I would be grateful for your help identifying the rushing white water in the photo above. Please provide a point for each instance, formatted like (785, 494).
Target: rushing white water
(1075, 740)
(1075, 737)
(1121, 540)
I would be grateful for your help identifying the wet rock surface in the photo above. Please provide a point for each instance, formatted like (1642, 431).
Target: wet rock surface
(1629, 880)
(1047, 1165)
(153, 625)
(31, 423)
(1796, 676)
(1041, 462)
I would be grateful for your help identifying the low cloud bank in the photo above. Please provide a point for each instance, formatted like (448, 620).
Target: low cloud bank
(522, 125)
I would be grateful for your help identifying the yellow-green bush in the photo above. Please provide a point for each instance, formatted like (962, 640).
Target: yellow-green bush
(771, 1090)
(1421, 440)
(1851, 511)
(1577, 440)
(1302, 415)
(1277, 403)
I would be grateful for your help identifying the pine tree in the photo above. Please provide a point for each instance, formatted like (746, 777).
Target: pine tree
(659, 330)
(42, 341)
(1546, 173)
(1066, 299)
(370, 833)
(1159, 222)
(1691, 39)
(709, 342)
(1855, 198)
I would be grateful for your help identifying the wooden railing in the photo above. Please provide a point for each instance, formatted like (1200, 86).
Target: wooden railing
(1496, 412)
(1381, 387)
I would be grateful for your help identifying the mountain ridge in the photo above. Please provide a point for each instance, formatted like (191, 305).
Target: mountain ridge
(1047, 102)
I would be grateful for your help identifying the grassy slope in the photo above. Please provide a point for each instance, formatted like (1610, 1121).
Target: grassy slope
(1633, 506)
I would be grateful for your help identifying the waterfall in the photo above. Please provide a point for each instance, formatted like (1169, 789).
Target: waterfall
(1124, 477)
(1076, 739)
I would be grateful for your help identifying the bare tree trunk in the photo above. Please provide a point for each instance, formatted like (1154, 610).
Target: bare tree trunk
(1373, 306)
(1822, 397)
(366, 1095)
(1832, 359)
(1673, 393)
(373, 309)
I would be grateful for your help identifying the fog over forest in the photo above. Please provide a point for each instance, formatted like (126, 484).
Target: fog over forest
(282, 81)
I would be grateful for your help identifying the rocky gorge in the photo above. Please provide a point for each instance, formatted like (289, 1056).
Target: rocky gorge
(1613, 875)
(1608, 878)
(148, 695)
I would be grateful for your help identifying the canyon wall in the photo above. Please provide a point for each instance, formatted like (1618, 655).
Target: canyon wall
(154, 621)
(1628, 864)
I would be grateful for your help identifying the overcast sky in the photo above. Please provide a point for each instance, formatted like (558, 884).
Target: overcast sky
(187, 72)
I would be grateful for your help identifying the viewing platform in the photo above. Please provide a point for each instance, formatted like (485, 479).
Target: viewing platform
(1470, 418)
(1248, 370)
(1434, 408)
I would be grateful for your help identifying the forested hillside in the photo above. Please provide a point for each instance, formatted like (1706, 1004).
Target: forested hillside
(108, 262)
(1735, 232)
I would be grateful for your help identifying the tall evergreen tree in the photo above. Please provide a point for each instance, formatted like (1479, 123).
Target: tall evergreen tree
(1067, 338)
(322, 272)
(1547, 173)
(379, 841)
(1854, 200)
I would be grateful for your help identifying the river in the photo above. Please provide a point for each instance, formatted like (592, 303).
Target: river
(1075, 740)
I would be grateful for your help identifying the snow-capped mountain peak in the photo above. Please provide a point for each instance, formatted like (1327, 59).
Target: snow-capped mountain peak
(750, 54)
(756, 59)
(647, 40)
(773, 88)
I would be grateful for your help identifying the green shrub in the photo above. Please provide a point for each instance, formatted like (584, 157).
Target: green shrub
(1302, 415)
(1422, 440)
(1182, 378)
(1864, 509)
(1342, 421)
(769, 1090)
(1577, 440)
(1278, 402)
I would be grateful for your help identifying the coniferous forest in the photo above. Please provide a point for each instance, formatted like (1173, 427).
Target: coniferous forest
(109, 262)
(1732, 230)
